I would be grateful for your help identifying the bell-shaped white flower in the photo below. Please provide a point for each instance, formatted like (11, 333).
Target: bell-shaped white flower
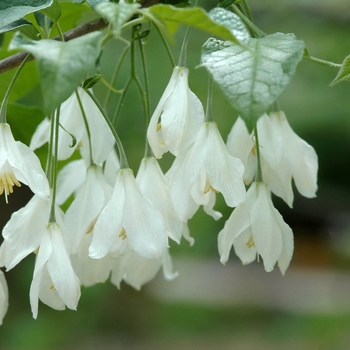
(136, 270)
(4, 297)
(175, 122)
(18, 163)
(206, 166)
(131, 217)
(86, 206)
(154, 186)
(284, 156)
(24, 231)
(54, 281)
(256, 227)
(288, 157)
(72, 122)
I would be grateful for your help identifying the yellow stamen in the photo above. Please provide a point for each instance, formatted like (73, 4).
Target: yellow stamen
(52, 287)
(253, 150)
(7, 181)
(209, 187)
(122, 234)
(250, 242)
(91, 227)
(159, 126)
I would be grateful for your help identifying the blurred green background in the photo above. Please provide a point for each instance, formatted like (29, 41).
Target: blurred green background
(210, 306)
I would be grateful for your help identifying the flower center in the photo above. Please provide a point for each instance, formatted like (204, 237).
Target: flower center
(7, 180)
(209, 187)
(122, 234)
(250, 242)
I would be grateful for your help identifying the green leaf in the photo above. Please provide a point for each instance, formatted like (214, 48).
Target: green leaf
(343, 73)
(91, 81)
(62, 65)
(13, 10)
(23, 25)
(231, 21)
(94, 3)
(117, 14)
(53, 12)
(168, 18)
(253, 77)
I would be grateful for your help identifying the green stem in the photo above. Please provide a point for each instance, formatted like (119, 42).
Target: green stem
(256, 32)
(247, 10)
(121, 100)
(183, 52)
(166, 45)
(209, 110)
(54, 168)
(4, 103)
(122, 155)
(114, 76)
(258, 176)
(86, 125)
(323, 62)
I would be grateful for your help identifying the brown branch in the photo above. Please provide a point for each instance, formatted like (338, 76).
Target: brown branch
(16, 59)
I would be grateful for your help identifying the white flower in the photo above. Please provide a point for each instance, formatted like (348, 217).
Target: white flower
(87, 205)
(284, 156)
(288, 156)
(136, 270)
(54, 281)
(4, 297)
(72, 122)
(175, 122)
(18, 163)
(24, 231)
(131, 217)
(154, 186)
(206, 166)
(256, 227)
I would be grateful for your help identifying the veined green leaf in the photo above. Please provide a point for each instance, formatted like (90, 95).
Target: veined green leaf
(253, 77)
(94, 3)
(169, 18)
(53, 11)
(20, 24)
(62, 65)
(343, 73)
(13, 10)
(117, 14)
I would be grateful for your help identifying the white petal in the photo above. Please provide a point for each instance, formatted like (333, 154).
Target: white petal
(266, 230)
(60, 270)
(245, 251)
(109, 223)
(143, 223)
(41, 134)
(87, 205)
(23, 233)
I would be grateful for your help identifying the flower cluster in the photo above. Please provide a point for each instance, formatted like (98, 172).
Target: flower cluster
(118, 226)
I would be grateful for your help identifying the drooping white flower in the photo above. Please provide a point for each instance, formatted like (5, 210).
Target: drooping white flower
(89, 201)
(293, 158)
(206, 166)
(131, 217)
(175, 122)
(256, 227)
(136, 270)
(54, 281)
(284, 156)
(24, 231)
(72, 122)
(154, 186)
(4, 297)
(18, 163)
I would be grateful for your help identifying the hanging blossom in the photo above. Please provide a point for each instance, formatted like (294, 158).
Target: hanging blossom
(72, 123)
(256, 228)
(284, 156)
(18, 163)
(155, 187)
(129, 218)
(4, 297)
(177, 118)
(54, 281)
(205, 168)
